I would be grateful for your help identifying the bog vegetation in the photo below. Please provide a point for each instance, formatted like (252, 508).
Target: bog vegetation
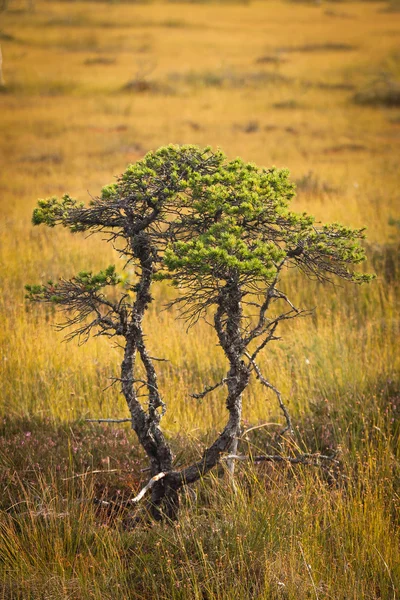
(88, 88)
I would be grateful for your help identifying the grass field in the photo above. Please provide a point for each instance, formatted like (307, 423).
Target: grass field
(90, 87)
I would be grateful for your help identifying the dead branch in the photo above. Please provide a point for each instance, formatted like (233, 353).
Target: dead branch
(208, 389)
(108, 420)
(96, 472)
(303, 459)
(261, 378)
(147, 487)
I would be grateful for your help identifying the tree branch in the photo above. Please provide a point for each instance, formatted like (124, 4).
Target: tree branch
(265, 305)
(208, 389)
(147, 487)
(108, 420)
(302, 459)
(269, 385)
(271, 327)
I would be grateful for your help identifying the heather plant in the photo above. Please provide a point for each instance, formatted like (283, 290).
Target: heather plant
(221, 232)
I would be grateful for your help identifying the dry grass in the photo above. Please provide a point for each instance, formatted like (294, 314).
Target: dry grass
(68, 125)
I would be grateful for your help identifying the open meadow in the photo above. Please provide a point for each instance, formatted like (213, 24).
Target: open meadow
(89, 87)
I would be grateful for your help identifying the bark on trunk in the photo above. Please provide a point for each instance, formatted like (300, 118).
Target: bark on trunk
(164, 501)
(228, 319)
(146, 424)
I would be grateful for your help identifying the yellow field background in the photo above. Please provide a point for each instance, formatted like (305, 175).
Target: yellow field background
(90, 87)
(263, 81)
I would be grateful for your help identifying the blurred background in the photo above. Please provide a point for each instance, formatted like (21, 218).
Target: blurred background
(88, 87)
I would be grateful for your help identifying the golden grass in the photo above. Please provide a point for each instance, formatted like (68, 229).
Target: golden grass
(305, 541)
(68, 125)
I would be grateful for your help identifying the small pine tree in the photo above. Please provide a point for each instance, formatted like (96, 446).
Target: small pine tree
(222, 234)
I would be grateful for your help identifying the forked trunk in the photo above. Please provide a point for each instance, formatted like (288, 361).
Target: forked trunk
(164, 502)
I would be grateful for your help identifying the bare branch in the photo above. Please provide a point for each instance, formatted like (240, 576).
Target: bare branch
(283, 296)
(159, 359)
(272, 324)
(147, 487)
(108, 420)
(208, 389)
(269, 385)
(271, 327)
(266, 304)
(302, 459)
(137, 498)
(96, 472)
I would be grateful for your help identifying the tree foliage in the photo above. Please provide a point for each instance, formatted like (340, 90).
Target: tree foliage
(221, 232)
